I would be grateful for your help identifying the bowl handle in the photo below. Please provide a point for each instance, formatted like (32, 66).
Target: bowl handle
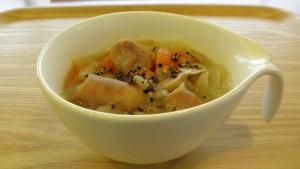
(273, 91)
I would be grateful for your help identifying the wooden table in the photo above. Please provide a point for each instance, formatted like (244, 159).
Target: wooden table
(32, 135)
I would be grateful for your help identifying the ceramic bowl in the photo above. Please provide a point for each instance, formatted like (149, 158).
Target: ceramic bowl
(144, 139)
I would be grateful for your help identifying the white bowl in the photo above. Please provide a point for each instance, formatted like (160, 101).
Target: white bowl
(154, 138)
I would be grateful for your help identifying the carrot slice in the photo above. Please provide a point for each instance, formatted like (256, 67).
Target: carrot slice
(164, 58)
(183, 57)
(147, 73)
(72, 77)
(167, 57)
(108, 63)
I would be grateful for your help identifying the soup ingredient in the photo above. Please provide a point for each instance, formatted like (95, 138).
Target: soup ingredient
(171, 83)
(182, 98)
(174, 58)
(98, 91)
(128, 54)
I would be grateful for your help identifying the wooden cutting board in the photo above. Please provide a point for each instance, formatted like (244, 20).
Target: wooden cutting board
(32, 135)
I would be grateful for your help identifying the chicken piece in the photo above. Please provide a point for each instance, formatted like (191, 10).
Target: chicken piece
(172, 83)
(182, 98)
(127, 54)
(97, 91)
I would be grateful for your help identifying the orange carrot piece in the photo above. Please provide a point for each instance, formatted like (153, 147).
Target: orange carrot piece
(183, 57)
(148, 73)
(72, 77)
(108, 63)
(164, 57)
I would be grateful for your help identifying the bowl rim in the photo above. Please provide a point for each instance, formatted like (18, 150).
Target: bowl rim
(126, 117)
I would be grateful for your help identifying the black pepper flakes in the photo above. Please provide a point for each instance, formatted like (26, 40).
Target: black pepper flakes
(153, 49)
(113, 106)
(174, 58)
(86, 75)
(151, 99)
(130, 80)
(173, 73)
(204, 97)
(119, 75)
(174, 108)
(187, 52)
(138, 68)
(155, 80)
(140, 109)
(159, 65)
(130, 113)
(132, 71)
(148, 89)
(143, 74)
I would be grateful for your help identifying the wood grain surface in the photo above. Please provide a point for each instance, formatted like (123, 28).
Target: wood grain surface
(32, 135)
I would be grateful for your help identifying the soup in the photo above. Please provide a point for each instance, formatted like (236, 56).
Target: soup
(144, 77)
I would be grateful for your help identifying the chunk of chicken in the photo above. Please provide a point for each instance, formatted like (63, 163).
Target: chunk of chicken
(182, 98)
(97, 91)
(128, 54)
